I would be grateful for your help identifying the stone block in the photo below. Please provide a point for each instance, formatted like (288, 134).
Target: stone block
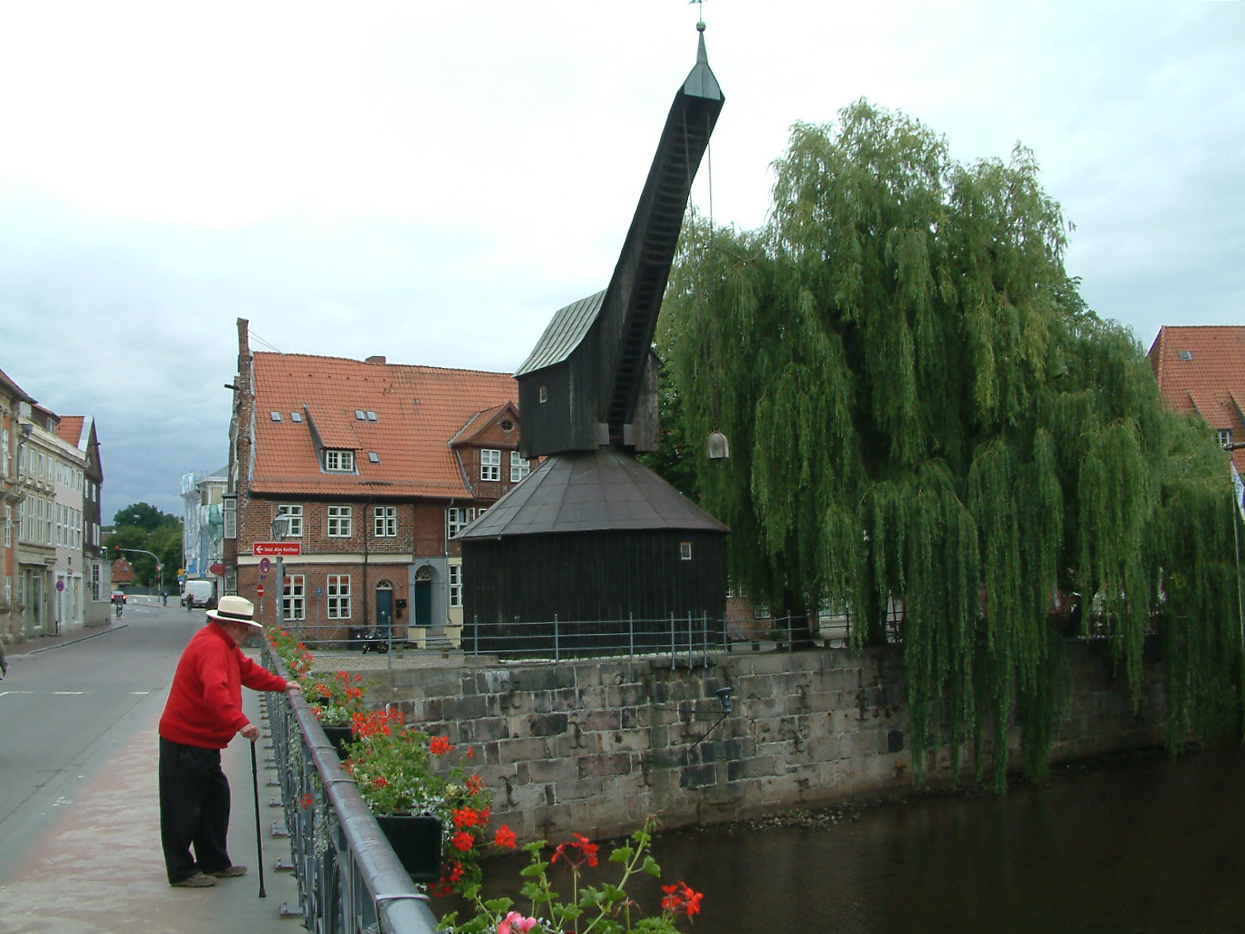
(605, 764)
(486, 730)
(550, 724)
(521, 749)
(600, 719)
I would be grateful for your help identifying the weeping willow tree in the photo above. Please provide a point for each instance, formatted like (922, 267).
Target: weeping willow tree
(921, 408)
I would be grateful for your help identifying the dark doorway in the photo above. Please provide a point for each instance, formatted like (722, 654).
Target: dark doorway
(384, 608)
(423, 597)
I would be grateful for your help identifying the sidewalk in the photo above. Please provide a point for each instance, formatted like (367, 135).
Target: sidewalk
(96, 868)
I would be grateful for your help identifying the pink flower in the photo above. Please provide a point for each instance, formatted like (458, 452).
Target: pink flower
(515, 923)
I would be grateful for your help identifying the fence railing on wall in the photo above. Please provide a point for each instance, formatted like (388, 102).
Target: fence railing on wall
(685, 639)
(349, 879)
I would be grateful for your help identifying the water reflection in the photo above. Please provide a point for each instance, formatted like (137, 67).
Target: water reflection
(1127, 847)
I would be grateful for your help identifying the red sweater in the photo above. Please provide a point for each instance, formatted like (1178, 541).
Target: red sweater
(205, 702)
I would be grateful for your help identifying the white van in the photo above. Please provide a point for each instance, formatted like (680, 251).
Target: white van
(199, 593)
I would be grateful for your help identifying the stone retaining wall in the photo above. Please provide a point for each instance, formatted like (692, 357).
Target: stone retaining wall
(595, 746)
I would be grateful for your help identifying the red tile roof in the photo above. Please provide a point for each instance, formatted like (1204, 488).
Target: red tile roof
(69, 429)
(1202, 370)
(417, 410)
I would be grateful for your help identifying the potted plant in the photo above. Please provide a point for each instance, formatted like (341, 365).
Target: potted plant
(335, 700)
(410, 780)
(294, 653)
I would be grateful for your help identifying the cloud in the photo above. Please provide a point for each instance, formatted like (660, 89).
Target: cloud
(431, 182)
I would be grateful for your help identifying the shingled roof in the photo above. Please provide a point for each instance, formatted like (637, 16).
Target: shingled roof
(591, 491)
(1202, 369)
(404, 415)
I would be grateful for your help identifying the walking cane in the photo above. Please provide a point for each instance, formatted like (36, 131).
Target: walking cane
(259, 840)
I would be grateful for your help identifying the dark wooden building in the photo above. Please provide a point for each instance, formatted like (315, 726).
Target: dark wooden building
(594, 552)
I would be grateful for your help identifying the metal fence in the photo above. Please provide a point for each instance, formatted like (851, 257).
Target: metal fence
(349, 879)
(678, 638)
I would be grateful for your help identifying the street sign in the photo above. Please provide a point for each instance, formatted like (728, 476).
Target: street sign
(277, 548)
(265, 566)
(259, 591)
(217, 568)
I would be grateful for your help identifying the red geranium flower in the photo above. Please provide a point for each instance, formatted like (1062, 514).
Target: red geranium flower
(506, 838)
(440, 745)
(587, 850)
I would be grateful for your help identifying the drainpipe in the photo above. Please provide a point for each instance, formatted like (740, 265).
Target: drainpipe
(367, 593)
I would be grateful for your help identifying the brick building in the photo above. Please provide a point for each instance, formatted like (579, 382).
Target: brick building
(360, 472)
(1201, 370)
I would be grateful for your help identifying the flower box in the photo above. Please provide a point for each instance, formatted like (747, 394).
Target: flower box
(416, 840)
(339, 736)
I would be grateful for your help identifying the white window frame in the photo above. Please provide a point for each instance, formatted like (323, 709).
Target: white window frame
(338, 460)
(458, 518)
(339, 521)
(520, 467)
(1225, 437)
(337, 594)
(456, 585)
(294, 527)
(294, 599)
(385, 522)
(490, 464)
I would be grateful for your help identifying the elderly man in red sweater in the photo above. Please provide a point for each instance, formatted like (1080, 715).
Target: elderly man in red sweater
(203, 713)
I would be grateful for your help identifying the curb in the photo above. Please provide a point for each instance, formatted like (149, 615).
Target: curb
(66, 641)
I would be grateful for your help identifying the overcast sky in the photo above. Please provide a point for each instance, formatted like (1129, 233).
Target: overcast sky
(431, 181)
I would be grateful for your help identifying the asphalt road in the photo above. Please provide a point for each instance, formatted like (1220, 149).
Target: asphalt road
(66, 708)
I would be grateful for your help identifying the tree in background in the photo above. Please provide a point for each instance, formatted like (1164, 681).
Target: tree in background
(143, 528)
(144, 516)
(922, 409)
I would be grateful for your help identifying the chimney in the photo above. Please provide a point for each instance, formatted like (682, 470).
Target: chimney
(375, 359)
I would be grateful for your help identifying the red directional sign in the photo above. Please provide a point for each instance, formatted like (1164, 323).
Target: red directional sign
(277, 548)
(259, 591)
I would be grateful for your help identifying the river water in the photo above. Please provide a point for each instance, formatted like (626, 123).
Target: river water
(1129, 846)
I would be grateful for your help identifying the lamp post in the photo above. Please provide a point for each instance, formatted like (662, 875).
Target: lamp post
(143, 551)
(280, 528)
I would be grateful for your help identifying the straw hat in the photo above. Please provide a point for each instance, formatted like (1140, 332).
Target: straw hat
(233, 609)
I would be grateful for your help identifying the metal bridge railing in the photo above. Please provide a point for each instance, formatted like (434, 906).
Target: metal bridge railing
(349, 879)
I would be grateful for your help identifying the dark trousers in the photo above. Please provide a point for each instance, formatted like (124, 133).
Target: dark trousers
(194, 810)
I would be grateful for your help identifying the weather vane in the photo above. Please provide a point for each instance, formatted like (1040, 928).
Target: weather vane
(700, 6)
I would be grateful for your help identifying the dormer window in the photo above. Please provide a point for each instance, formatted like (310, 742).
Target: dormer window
(1225, 437)
(490, 464)
(338, 461)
